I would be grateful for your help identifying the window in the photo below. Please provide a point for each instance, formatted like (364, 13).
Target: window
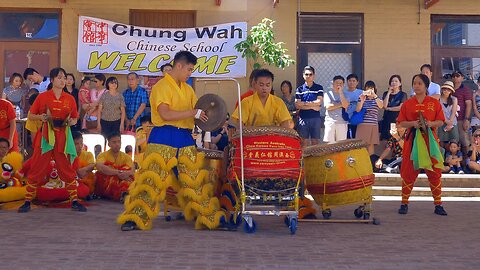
(332, 44)
(455, 46)
(330, 29)
(456, 33)
(162, 18)
(24, 26)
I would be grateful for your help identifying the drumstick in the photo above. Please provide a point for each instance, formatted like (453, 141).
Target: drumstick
(423, 123)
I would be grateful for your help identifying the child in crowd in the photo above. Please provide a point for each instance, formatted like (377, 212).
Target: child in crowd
(394, 147)
(86, 103)
(474, 154)
(129, 150)
(219, 138)
(454, 158)
(85, 96)
(141, 138)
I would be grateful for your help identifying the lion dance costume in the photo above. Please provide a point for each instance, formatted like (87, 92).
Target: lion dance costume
(194, 193)
(171, 161)
(12, 185)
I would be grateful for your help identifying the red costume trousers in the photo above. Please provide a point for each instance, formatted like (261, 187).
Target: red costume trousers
(409, 176)
(40, 167)
(110, 186)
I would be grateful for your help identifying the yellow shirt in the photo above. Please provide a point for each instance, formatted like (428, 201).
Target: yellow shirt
(273, 113)
(177, 98)
(86, 158)
(121, 160)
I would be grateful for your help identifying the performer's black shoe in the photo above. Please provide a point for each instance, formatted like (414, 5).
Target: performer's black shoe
(76, 206)
(129, 226)
(25, 207)
(403, 209)
(440, 211)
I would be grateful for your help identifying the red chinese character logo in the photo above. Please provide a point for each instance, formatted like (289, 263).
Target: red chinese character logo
(95, 32)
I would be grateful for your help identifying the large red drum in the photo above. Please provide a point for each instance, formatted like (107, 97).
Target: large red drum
(272, 158)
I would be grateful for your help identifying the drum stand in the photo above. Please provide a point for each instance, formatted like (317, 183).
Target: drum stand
(363, 214)
(255, 206)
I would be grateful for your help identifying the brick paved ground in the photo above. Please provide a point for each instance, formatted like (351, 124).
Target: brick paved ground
(62, 239)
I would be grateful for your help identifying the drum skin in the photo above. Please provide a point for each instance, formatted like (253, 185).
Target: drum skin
(338, 173)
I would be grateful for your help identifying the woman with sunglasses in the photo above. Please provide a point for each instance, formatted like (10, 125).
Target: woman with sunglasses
(449, 131)
(421, 115)
(111, 109)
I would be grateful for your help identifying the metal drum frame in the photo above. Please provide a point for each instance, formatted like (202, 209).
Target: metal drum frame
(254, 201)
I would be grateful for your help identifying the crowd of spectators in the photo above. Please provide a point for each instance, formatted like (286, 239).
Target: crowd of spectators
(355, 113)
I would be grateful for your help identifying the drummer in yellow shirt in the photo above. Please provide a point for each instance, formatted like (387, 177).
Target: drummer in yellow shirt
(263, 108)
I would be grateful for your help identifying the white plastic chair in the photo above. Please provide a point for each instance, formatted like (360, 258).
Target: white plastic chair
(126, 140)
(91, 140)
(129, 140)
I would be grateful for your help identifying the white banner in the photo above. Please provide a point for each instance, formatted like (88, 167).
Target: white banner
(110, 47)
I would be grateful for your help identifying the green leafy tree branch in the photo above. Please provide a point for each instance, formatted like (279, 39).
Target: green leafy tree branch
(260, 46)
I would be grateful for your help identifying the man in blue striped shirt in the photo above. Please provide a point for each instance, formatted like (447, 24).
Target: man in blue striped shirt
(308, 100)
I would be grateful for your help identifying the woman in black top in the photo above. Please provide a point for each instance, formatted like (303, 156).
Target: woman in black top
(72, 90)
(392, 102)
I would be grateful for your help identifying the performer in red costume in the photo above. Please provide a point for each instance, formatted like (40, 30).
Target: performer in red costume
(410, 117)
(58, 112)
(8, 124)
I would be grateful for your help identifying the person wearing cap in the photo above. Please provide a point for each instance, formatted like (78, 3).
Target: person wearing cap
(171, 160)
(308, 100)
(263, 108)
(434, 88)
(464, 96)
(449, 131)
